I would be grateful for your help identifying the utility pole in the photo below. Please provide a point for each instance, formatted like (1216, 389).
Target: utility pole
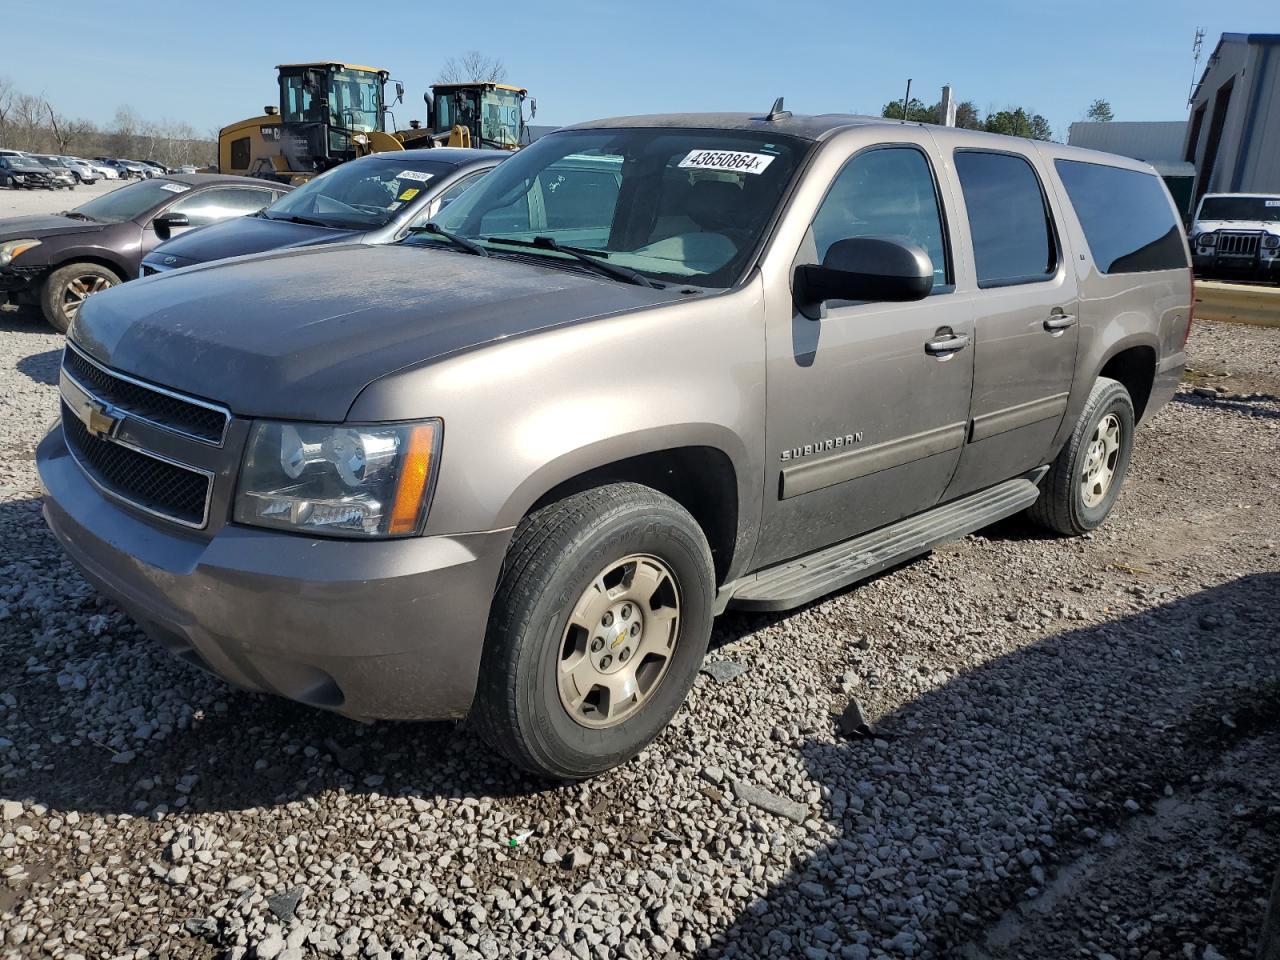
(906, 100)
(948, 107)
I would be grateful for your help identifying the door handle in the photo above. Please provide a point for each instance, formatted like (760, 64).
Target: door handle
(946, 345)
(1059, 321)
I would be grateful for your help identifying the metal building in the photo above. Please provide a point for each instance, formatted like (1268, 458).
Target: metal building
(1233, 136)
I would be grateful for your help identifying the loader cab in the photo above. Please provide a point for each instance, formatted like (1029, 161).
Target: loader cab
(328, 112)
(491, 114)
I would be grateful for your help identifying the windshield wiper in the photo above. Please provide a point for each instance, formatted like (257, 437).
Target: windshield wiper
(77, 215)
(462, 243)
(305, 220)
(591, 258)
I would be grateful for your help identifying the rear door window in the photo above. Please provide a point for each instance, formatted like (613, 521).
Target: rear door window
(1013, 237)
(1126, 216)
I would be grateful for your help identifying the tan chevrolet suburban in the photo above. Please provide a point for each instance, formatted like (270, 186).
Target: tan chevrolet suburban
(650, 368)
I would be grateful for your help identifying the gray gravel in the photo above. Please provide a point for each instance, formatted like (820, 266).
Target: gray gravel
(1072, 754)
(23, 203)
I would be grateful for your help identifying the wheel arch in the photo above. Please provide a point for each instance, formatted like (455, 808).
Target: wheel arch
(696, 470)
(1132, 363)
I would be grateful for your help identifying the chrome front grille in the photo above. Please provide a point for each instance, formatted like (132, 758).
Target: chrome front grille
(157, 486)
(1238, 244)
(192, 418)
(144, 445)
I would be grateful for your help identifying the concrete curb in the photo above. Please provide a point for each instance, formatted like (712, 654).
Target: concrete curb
(1238, 303)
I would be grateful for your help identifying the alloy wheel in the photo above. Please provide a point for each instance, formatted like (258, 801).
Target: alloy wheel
(80, 289)
(619, 641)
(1100, 460)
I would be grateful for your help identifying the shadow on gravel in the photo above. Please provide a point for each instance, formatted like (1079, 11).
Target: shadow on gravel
(972, 796)
(1241, 405)
(41, 367)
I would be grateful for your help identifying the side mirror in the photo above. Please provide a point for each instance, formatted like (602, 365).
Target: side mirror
(864, 268)
(166, 223)
(399, 91)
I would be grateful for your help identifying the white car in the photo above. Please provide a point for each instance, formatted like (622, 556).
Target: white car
(84, 171)
(1237, 236)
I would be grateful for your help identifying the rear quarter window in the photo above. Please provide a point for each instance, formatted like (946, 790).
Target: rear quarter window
(1127, 219)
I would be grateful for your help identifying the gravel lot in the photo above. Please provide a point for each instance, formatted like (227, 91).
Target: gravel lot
(21, 203)
(1074, 755)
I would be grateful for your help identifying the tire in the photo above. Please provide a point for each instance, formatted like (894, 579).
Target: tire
(1069, 505)
(559, 558)
(60, 300)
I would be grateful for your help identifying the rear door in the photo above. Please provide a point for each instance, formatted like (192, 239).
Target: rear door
(1026, 319)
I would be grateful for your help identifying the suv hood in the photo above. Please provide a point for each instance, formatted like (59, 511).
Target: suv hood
(242, 235)
(15, 228)
(1205, 226)
(298, 334)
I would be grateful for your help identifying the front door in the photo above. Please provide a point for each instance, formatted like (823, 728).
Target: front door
(1026, 318)
(868, 406)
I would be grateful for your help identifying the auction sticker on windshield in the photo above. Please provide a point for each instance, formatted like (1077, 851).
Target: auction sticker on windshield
(730, 161)
(413, 175)
(174, 187)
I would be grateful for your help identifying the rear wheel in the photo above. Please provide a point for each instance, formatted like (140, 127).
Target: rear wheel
(1082, 484)
(67, 288)
(598, 627)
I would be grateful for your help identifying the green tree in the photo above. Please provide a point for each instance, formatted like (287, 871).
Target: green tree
(1099, 110)
(1018, 122)
(916, 111)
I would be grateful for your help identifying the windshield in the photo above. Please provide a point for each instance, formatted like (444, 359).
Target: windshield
(1241, 208)
(677, 205)
(128, 203)
(500, 118)
(52, 162)
(362, 195)
(353, 102)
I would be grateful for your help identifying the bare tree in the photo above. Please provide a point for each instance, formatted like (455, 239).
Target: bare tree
(473, 67)
(28, 122)
(67, 132)
(124, 131)
(7, 95)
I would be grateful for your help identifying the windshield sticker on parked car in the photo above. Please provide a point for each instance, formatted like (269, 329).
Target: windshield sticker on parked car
(413, 175)
(730, 161)
(174, 187)
(410, 193)
(1273, 203)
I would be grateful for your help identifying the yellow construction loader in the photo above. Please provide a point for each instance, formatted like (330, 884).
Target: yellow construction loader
(333, 112)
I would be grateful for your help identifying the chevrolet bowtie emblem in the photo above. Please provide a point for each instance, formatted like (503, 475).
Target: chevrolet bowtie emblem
(98, 419)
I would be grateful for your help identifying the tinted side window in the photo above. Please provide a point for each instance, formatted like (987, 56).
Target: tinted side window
(210, 206)
(1126, 217)
(886, 192)
(1013, 241)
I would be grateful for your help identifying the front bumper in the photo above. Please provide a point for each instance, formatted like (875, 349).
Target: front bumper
(18, 279)
(389, 629)
(1258, 268)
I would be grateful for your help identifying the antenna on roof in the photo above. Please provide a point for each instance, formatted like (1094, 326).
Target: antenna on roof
(776, 112)
(1195, 63)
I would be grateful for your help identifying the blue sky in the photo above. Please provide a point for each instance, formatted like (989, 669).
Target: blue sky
(212, 63)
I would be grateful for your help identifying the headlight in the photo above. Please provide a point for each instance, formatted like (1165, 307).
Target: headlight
(14, 248)
(345, 480)
(1271, 240)
(1207, 239)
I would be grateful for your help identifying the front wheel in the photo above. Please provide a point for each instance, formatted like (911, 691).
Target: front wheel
(68, 287)
(1082, 484)
(598, 627)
